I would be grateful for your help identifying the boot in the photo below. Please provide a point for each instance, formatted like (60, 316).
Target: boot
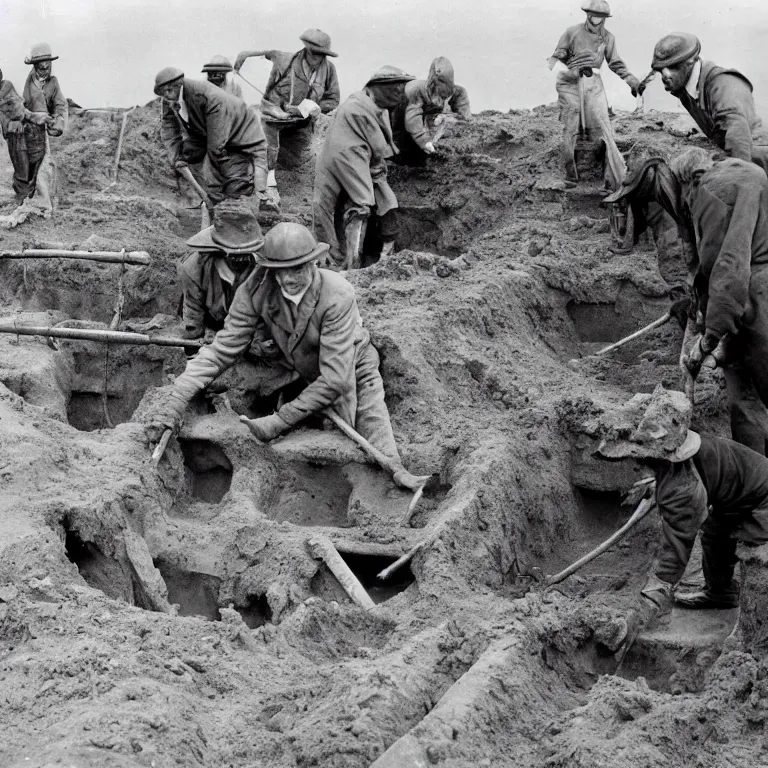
(706, 599)
(571, 174)
(354, 234)
(387, 248)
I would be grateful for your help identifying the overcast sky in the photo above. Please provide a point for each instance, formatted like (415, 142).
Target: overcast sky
(111, 49)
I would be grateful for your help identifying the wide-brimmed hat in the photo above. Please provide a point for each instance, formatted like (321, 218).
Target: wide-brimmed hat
(218, 63)
(388, 75)
(674, 49)
(597, 8)
(40, 52)
(652, 427)
(235, 229)
(289, 245)
(165, 76)
(317, 41)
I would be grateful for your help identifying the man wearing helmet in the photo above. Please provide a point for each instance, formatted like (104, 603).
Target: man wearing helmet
(217, 71)
(576, 61)
(719, 100)
(311, 315)
(300, 86)
(46, 113)
(351, 172)
(203, 123)
(425, 107)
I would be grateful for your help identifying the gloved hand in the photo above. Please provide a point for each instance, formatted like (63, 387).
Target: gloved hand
(703, 346)
(179, 164)
(264, 349)
(37, 118)
(292, 111)
(635, 86)
(429, 148)
(15, 127)
(167, 411)
(267, 427)
(209, 336)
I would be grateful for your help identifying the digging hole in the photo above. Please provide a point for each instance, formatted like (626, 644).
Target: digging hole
(97, 569)
(196, 594)
(601, 322)
(311, 494)
(367, 567)
(130, 374)
(256, 612)
(208, 470)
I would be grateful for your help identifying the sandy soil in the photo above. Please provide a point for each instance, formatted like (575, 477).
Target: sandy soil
(176, 617)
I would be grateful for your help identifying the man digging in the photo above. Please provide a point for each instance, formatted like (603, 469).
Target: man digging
(311, 315)
(217, 72)
(706, 484)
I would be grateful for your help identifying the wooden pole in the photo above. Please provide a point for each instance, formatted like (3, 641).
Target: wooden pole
(406, 558)
(655, 324)
(91, 334)
(322, 548)
(643, 508)
(187, 174)
(157, 454)
(111, 257)
(120, 144)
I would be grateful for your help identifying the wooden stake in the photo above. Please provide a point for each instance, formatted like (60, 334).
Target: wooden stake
(91, 334)
(322, 548)
(110, 257)
(404, 560)
(655, 324)
(157, 454)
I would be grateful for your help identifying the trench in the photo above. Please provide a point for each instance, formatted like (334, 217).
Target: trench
(208, 471)
(367, 568)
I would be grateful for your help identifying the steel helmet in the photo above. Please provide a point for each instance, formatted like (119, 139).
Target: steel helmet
(218, 63)
(288, 245)
(40, 52)
(675, 49)
(165, 76)
(388, 74)
(597, 7)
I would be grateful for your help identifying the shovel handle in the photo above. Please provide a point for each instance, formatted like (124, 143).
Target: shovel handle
(157, 454)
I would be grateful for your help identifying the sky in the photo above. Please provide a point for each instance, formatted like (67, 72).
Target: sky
(111, 49)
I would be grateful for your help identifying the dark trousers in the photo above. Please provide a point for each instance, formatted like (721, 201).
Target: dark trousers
(27, 151)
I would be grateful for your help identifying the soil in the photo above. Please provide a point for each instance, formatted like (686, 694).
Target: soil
(174, 616)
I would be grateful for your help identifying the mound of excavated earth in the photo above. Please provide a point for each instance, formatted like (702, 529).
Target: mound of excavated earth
(176, 616)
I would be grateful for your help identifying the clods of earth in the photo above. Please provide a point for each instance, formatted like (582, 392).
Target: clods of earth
(177, 617)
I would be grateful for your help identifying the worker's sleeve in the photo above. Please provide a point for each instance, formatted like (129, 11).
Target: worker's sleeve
(281, 60)
(730, 275)
(193, 293)
(371, 131)
(59, 109)
(682, 502)
(11, 106)
(563, 49)
(459, 102)
(728, 95)
(170, 133)
(230, 342)
(332, 95)
(615, 62)
(217, 129)
(337, 363)
(414, 116)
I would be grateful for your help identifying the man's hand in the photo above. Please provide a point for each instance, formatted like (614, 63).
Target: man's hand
(38, 118)
(635, 86)
(703, 346)
(267, 427)
(429, 148)
(293, 111)
(179, 164)
(166, 413)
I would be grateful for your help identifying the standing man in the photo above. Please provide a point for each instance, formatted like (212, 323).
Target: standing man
(203, 123)
(423, 114)
(217, 71)
(222, 261)
(300, 86)
(311, 315)
(352, 168)
(728, 204)
(706, 484)
(583, 104)
(12, 114)
(46, 115)
(719, 100)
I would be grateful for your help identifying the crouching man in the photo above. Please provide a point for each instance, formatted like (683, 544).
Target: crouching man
(706, 484)
(222, 261)
(311, 315)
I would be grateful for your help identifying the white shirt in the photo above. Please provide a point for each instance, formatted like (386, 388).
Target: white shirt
(692, 86)
(295, 297)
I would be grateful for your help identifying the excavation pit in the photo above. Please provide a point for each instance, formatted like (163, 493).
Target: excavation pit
(208, 471)
(195, 593)
(367, 568)
(310, 494)
(256, 612)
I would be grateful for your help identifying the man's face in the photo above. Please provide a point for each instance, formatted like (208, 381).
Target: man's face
(171, 91)
(389, 95)
(294, 280)
(314, 59)
(217, 78)
(43, 69)
(595, 20)
(675, 78)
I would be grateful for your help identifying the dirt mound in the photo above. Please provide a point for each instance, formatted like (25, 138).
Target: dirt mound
(176, 616)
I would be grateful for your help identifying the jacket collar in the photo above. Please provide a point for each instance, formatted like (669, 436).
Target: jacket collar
(280, 312)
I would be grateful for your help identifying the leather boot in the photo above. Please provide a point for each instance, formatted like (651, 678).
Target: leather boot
(705, 599)
(354, 234)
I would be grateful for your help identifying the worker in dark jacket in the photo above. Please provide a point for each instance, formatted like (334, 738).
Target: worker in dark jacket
(728, 203)
(300, 86)
(351, 173)
(312, 317)
(46, 115)
(203, 123)
(12, 115)
(222, 261)
(577, 59)
(719, 100)
(425, 110)
(706, 484)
